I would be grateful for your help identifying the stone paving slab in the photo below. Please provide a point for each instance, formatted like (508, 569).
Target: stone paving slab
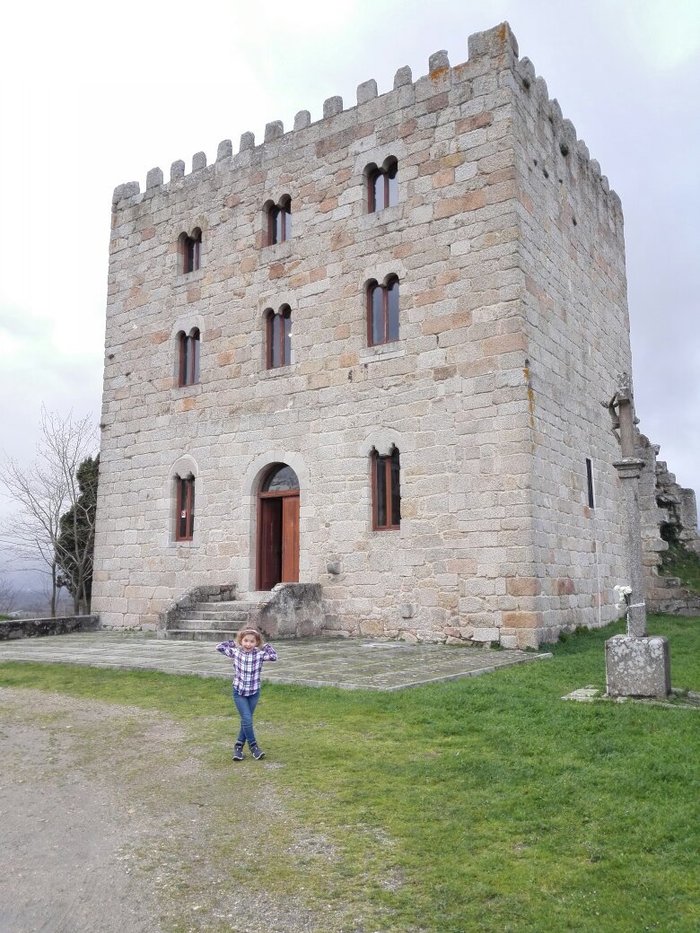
(349, 664)
(677, 699)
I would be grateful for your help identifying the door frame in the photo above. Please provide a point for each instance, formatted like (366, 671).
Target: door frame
(275, 494)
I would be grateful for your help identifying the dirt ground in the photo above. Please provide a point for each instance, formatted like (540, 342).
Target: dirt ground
(106, 824)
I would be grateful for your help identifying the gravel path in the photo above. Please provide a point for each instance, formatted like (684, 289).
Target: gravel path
(107, 819)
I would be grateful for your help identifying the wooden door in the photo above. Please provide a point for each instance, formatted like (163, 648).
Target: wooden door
(278, 542)
(290, 539)
(270, 543)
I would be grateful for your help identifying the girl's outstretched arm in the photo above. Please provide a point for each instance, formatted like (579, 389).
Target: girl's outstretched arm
(269, 653)
(229, 648)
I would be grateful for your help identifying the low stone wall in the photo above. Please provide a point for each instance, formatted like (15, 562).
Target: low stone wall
(31, 628)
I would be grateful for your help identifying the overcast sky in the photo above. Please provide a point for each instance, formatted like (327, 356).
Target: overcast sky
(96, 94)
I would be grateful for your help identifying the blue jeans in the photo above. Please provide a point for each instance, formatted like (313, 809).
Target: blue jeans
(246, 708)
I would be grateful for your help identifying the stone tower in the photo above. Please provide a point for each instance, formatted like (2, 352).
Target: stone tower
(370, 353)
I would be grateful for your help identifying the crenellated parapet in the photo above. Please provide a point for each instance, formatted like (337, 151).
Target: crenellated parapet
(563, 131)
(494, 50)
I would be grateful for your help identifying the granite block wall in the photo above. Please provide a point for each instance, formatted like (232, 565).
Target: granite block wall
(513, 325)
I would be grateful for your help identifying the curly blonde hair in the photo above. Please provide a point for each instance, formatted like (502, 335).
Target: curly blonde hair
(249, 631)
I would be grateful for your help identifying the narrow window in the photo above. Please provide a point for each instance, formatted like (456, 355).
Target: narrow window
(279, 337)
(386, 492)
(184, 518)
(188, 369)
(279, 221)
(190, 251)
(383, 186)
(589, 483)
(383, 312)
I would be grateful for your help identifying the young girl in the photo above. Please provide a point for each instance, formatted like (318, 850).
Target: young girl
(247, 653)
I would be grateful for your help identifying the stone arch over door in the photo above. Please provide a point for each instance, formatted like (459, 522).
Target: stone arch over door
(251, 486)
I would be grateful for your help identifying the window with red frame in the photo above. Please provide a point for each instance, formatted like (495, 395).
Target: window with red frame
(383, 312)
(386, 491)
(184, 518)
(279, 337)
(188, 363)
(383, 186)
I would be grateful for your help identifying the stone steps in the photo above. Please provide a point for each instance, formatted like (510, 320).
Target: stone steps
(217, 613)
(218, 620)
(238, 611)
(205, 625)
(213, 634)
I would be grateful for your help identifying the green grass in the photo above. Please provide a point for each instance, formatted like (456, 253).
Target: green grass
(679, 562)
(481, 804)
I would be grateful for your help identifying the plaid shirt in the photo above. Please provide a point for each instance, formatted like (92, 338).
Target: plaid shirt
(247, 665)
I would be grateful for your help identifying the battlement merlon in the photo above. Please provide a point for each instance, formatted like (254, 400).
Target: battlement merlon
(496, 48)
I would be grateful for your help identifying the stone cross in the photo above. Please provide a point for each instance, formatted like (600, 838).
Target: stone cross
(629, 469)
(635, 665)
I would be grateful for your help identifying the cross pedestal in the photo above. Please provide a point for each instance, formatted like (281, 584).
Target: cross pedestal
(637, 666)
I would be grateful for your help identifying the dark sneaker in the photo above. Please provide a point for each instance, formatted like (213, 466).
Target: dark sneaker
(257, 753)
(238, 752)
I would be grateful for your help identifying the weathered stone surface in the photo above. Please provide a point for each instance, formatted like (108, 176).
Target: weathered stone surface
(332, 106)
(295, 609)
(366, 91)
(127, 190)
(403, 77)
(224, 150)
(274, 130)
(668, 513)
(438, 61)
(154, 178)
(337, 663)
(523, 586)
(247, 141)
(513, 324)
(637, 666)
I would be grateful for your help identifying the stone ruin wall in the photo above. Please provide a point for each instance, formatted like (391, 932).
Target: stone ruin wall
(472, 395)
(668, 512)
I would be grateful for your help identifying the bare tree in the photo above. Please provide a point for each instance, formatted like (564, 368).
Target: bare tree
(8, 596)
(45, 490)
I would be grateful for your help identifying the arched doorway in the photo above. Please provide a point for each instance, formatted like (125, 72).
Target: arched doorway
(278, 527)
